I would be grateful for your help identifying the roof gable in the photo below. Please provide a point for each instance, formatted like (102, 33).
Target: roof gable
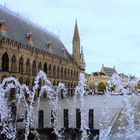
(108, 71)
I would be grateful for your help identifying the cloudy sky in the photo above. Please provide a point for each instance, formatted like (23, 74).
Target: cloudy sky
(109, 29)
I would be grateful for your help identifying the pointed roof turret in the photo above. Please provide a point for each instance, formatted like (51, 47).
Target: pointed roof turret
(83, 65)
(76, 32)
(82, 51)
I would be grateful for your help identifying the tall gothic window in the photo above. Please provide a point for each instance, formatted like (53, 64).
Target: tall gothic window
(54, 83)
(13, 64)
(54, 70)
(28, 66)
(21, 80)
(68, 73)
(5, 62)
(39, 66)
(34, 68)
(45, 68)
(50, 70)
(77, 75)
(62, 72)
(71, 74)
(65, 73)
(21, 62)
(72, 89)
(58, 71)
(74, 74)
(27, 81)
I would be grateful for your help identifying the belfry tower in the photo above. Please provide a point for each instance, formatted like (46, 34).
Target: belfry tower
(78, 55)
(76, 44)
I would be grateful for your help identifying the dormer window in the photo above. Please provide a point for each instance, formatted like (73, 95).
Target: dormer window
(2, 25)
(30, 37)
(49, 44)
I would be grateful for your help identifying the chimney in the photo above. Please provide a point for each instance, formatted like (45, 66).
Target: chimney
(2, 25)
(30, 37)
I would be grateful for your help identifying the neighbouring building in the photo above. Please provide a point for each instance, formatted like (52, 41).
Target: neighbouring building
(96, 81)
(108, 71)
(26, 48)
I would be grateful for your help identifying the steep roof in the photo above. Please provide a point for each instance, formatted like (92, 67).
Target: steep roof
(108, 71)
(18, 27)
(98, 73)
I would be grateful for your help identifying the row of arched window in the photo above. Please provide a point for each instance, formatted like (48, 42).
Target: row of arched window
(51, 70)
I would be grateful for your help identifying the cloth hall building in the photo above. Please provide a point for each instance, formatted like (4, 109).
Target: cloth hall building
(26, 48)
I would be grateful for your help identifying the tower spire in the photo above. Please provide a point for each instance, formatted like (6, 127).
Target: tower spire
(76, 44)
(78, 54)
(76, 32)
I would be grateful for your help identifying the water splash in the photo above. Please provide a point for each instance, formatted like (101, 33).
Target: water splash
(10, 97)
(124, 86)
(53, 94)
(80, 90)
(13, 93)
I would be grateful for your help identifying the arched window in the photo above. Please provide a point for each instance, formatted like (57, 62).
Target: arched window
(54, 70)
(34, 68)
(58, 72)
(72, 89)
(5, 62)
(62, 72)
(33, 81)
(71, 74)
(21, 62)
(27, 81)
(74, 85)
(50, 69)
(65, 73)
(68, 73)
(39, 66)
(77, 75)
(54, 83)
(28, 66)
(13, 64)
(45, 68)
(74, 74)
(21, 80)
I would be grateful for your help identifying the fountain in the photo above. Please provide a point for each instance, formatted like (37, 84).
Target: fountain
(14, 97)
(80, 90)
(124, 125)
(10, 97)
(12, 94)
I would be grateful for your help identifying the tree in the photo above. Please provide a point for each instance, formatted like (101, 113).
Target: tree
(101, 87)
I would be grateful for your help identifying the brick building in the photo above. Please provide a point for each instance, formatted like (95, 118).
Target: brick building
(26, 48)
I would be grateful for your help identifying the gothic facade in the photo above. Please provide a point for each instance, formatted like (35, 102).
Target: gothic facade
(26, 48)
